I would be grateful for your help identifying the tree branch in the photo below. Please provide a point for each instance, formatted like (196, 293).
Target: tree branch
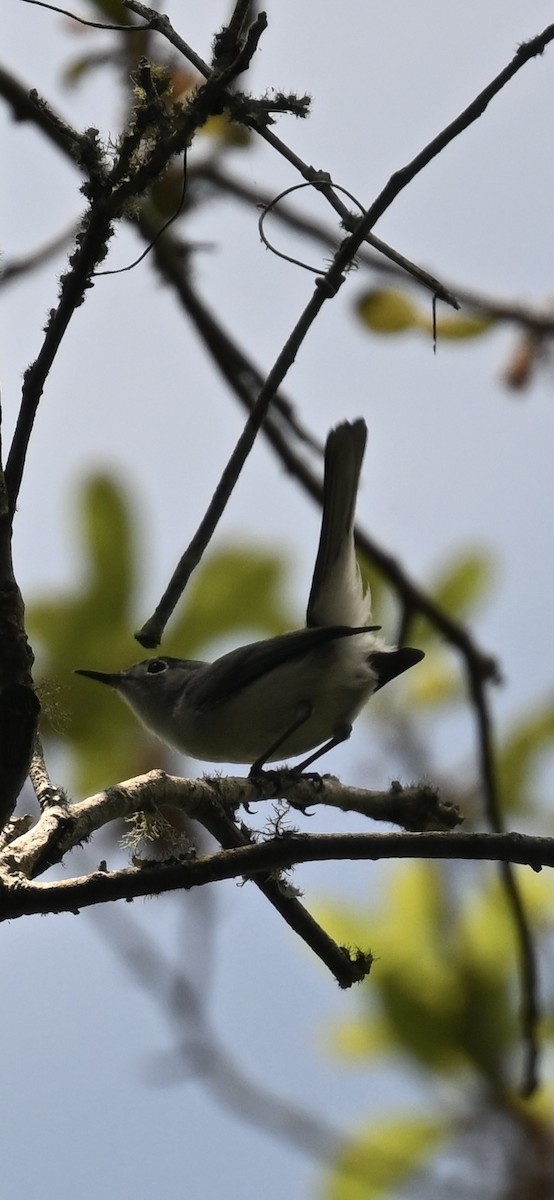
(530, 1014)
(19, 896)
(534, 320)
(64, 826)
(245, 380)
(326, 288)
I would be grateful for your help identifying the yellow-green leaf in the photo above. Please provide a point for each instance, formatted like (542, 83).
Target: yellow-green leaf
(385, 310)
(92, 625)
(523, 753)
(231, 133)
(359, 1038)
(463, 583)
(436, 685)
(458, 327)
(392, 310)
(383, 1156)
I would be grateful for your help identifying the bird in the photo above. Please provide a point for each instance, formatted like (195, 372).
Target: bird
(294, 694)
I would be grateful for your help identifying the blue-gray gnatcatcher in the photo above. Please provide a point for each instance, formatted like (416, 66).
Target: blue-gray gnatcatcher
(291, 694)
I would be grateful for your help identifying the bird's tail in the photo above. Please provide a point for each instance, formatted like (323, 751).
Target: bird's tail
(337, 595)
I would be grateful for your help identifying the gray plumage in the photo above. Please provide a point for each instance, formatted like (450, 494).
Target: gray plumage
(284, 696)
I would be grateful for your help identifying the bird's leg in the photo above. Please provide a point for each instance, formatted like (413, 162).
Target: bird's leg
(303, 713)
(341, 736)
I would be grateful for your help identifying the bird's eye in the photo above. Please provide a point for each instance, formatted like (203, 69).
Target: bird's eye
(156, 666)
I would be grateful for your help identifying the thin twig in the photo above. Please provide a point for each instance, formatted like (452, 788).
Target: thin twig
(245, 380)
(326, 288)
(24, 105)
(347, 967)
(18, 96)
(399, 180)
(530, 1013)
(11, 270)
(319, 179)
(109, 191)
(151, 632)
(64, 12)
(511, 312)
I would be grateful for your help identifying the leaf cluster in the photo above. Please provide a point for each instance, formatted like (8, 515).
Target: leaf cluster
(235, 592)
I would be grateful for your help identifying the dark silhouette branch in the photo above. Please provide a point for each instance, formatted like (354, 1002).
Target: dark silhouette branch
(19, 704)
(109, 191)
(530, 1014)
(326, 288)
(22, 896)
(245, 378)
(539, 322)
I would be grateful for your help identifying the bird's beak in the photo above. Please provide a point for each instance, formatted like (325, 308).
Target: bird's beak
(112, 679)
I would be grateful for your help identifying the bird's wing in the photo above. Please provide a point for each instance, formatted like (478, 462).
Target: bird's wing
(236, 670)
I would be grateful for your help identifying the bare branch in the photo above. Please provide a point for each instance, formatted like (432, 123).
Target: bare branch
(245, 380)
(64, 12)
(326, 288)
(530, 1014)
(533, 319)
(47, 794)
(19, 897)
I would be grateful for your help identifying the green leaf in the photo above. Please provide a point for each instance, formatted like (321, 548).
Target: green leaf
(229, 132)
(438, 685)
(459, 588)
(355, 1039)
(411, 979)
(98, 614)
(107, 531)
(383, 1156)
(458, 327)
(93, 626)
(385, 310)
(441, 986)
(464, 583)
(233, 591)
(524, 752)
(391, 310)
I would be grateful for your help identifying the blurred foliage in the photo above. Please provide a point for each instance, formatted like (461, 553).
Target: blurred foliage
(459, 588)
(441, 996)
(522, 757)
(113, 11)
(440, 999)
(382, 1157)
(391, 310)
(443, 978)
(233, 591)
